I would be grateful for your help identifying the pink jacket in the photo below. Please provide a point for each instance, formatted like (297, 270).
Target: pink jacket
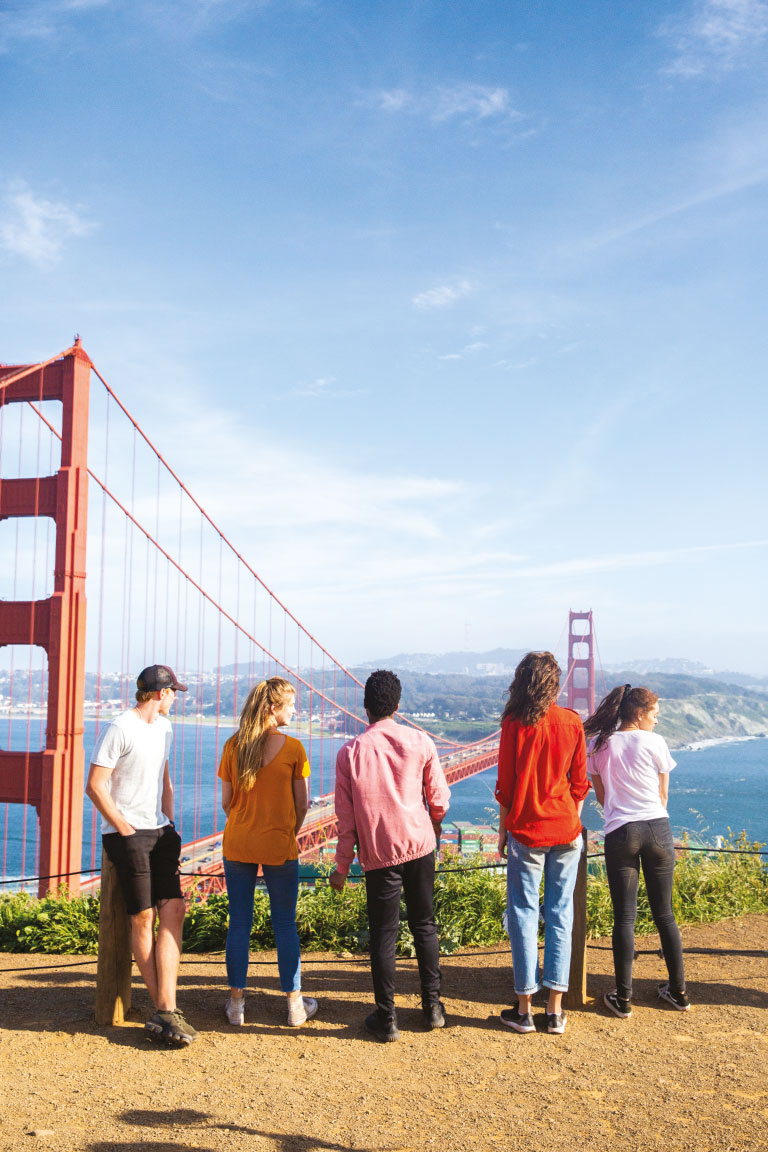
(389, 783)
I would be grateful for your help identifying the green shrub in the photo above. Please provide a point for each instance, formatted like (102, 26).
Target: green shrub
(708, 887)
(56, 924)
(468, 907)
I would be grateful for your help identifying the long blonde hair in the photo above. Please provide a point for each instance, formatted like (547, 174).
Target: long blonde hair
(255, 726)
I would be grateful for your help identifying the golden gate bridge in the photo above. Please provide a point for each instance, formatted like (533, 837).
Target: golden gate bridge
(163, 583)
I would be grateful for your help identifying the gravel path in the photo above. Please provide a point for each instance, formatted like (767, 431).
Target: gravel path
(662, 1080)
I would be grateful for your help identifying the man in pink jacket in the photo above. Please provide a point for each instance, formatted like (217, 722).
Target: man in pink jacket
(391, 796)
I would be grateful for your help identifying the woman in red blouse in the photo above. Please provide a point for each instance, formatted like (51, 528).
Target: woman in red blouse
(541, 786)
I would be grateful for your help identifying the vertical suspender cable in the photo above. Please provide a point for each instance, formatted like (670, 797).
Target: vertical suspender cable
(218, 682)
(100, 631)
(129, 622)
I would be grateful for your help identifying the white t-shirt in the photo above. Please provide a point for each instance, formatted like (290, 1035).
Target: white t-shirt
(629, 765)
(137, 753)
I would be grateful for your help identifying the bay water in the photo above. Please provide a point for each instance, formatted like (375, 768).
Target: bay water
(718, 790)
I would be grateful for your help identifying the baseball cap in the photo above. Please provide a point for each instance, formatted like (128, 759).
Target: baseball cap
(156, 677)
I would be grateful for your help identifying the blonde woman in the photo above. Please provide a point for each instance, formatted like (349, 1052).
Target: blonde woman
(264, 794)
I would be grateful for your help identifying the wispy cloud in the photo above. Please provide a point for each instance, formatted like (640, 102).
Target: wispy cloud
(405, 503)
(732, 162)
(36, 228)
(38, 20)
(442, 296)
(464, 102)
(653, 558)
(323, 387)
(467, 350)
(717, 35)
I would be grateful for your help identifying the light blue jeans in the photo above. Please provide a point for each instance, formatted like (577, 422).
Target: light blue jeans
(282, 881)
(525, 865)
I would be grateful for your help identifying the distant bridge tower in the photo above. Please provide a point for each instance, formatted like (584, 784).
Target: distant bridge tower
(52, 780)
(581, 663)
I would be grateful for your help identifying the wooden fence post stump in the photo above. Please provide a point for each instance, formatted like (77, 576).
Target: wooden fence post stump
(113, 972)
(576, 996)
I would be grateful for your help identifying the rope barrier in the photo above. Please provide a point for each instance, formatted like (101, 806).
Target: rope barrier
(327, 961)
(438, 872)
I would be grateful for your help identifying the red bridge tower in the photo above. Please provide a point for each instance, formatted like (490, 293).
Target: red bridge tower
(52, 780)
(581, 663)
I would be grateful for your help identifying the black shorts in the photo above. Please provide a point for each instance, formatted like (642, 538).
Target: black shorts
(147, 865)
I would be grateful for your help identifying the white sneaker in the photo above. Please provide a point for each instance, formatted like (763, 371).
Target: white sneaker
(301, 1009)
(235, 1010)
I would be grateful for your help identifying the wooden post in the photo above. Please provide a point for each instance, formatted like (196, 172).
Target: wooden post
(576, 997)
(113, 973)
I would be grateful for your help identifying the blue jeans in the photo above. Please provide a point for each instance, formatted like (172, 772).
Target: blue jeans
(282, 881)
(525, 865)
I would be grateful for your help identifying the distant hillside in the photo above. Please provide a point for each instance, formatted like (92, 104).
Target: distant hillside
(670, 666)
(693, 708)
(467, 706)
(503, 661)
(498, 662)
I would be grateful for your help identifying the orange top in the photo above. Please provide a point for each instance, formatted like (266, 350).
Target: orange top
(261, 821)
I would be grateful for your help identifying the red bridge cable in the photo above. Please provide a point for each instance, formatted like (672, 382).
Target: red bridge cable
(273, 598)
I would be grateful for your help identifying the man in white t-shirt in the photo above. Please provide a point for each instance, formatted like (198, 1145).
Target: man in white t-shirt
(130, 785)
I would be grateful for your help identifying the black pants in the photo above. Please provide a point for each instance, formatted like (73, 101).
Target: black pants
(650, 843)
(416, 880)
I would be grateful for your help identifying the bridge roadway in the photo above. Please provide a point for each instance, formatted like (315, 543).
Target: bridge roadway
(201, 864)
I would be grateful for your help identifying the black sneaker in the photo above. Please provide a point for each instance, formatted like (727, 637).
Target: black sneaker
(619, 1007)
(382, 1027)
(678, 1000)
(554, 1023)
(521, 1022)
(170, 1028)
(434, 1015)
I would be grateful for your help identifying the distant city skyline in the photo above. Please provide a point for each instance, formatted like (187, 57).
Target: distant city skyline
(452, 316)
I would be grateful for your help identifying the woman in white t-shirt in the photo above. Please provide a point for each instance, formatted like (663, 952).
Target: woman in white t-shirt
(629, 765)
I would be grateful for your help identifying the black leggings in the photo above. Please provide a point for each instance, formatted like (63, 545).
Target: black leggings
(650, 843)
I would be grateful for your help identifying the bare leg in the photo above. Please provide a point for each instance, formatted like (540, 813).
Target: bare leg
(170, 917)
(554, 1002)
(523, 1004)
(143, 945)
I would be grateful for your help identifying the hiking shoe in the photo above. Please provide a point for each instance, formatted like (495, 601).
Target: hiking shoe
(170, 1028)
(619, 1007)
(434, 1015)
(382, 1027)
(301, 1009)
(678, 1000)
(521, 1022)
(555, 1023)
(234, 1010)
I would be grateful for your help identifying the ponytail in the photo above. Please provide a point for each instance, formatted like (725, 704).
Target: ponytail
(624, 703)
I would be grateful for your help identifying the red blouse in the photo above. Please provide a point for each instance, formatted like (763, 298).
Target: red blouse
(542, 776)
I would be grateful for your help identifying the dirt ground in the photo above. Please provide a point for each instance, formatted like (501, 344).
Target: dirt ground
(662, 1080)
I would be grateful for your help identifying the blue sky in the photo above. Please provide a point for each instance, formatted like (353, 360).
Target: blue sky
(451, 314)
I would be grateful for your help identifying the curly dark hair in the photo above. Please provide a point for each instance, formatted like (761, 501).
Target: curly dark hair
(624, 703)
(382, 694)
(534, 689)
